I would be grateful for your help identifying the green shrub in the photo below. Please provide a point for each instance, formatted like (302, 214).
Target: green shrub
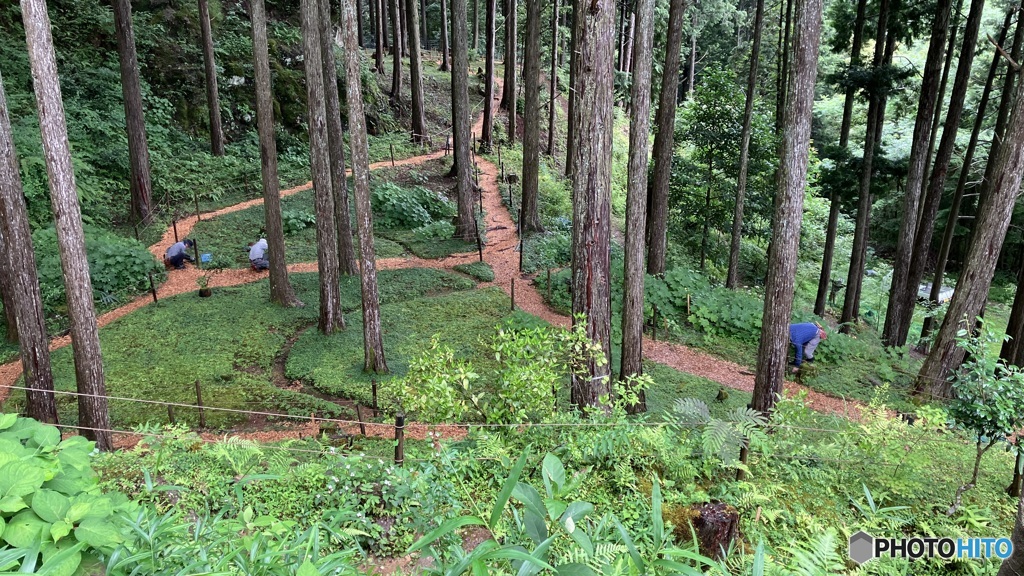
(435, 230)
(415, 207)
(297, 220)
(482, 271)
(713, 311)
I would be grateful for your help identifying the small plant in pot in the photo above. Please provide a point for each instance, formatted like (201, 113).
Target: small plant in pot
(204, 286)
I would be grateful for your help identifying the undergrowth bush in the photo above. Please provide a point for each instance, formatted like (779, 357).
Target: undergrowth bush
(397, 207)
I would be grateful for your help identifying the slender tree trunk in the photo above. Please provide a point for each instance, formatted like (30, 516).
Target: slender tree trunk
(476, 25)
(627, 66)
(487, 132)
(636, 198)
(937, 117)
(22, 290)
(733, 276)
(444, 36)
(508, 93)
(570, 129)
(464, 223)
(876, 111)
(692, 67)
(377, 16)
(591, 184)
(419, 125)
(664, 142)
(1014, 565)
(423, 24)
(531, 119)
(976, 278)
(791, 181)
(281, 291)
(336, 144)
(953, 217)
(783, 80)
(210, 64)
(396, 55)
(620, 60)
(373, 341)
(359, 21)
(553, 90)
(383, 8)
(897, 312)
(141, 186)
(707, 210)
(93, 416)
(1012, 351)
(7, 294)
(900, 326)
(331, 318)
(403, 22)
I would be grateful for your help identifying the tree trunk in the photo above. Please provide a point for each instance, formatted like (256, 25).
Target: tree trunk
(508, 93)
(976, 277)
(1012, 351)
(383, 8)
(636, 198)
(444, 36)
(93, 417)
(953, 217)
(707, 210)
(419, 125)
(531, 120)
(1014, 565)
(210, 64)
(476, 25)
(281, 291)
(937, 182)
(465, 228)
(591, 185)
(937, 117)
(373, 341)
(359, 21)
(22, 289)
(733, 276)
(783, 79)
(898, 313)
(664, 142)
(396, 55)
(7, 294)
(377, 15)
(423, 24)
(570, 130)
(487, 132)
(331, 318)
(876, 111)
(553, 90)
(627, 66)
(789, 200)
(336, 144)
(141, 186)
(692, 67)
(403, 23)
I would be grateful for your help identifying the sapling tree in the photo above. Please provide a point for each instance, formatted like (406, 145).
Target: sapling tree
(989, 399)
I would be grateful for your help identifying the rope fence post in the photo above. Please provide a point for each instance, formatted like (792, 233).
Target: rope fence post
(170, 413)
(152, 287)
(195, 249)
(399, 439)
(654, 322)
(549, 284)
(136, 226)
(174, 224)
(479, 242)
(513, 285)
(199, 403)
(373, 389)
(522, 238)
(195, 199)
(392, 155)
(359, 416)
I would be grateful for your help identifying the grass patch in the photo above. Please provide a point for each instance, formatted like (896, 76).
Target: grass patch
(482, 271)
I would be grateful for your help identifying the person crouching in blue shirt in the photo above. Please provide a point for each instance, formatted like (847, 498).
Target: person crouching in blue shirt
(178, 253)
(258, 255)
(805, 338)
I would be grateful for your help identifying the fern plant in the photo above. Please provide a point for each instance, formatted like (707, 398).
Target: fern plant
(718, 440)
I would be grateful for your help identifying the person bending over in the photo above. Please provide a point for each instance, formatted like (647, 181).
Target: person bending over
(805, 338)
(258, 255)
(178, 253)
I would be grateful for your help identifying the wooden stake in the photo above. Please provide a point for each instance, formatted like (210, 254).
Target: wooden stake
(359, 416)
(195, 198)
(174, 223)
(195, 249)
(373, 388)
(170, 413)
(399, 439)
(479, 241)
(152, 287)
(513, 294)
(392, 155)
(199, 403)
(549, 285)
(654, 329)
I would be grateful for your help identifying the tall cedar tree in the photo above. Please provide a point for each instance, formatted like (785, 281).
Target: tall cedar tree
(141, 185)
(636, 198)
(732, 278)
(953, 214)
(281, 291)
(664, 142)
(419, 125)
(359, 22)
(476, 25)
(373, 342)
(20, 262)
(396, 55)
(591, 187)
(380, 33)
(1014, 565)
(210, 67)
(465, 225)
(976, 277)
(825, 278)
(336, 144)
(571, 97)
(508, 89)
(384, 25)
(423, 23)
(487, 131)
(93, 417)
(789, 201)
(445, 53)
(872, 136)
(331, 318)
(553, 80)
(531, 120)
(903, 301)
(783, 63)
(7, 296)
(926, 105)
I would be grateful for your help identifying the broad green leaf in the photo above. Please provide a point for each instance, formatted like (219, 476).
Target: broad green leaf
(677, 567)
(575, 569)
(19, 479)
(579, 510)
(97, 533)
(59, 561)
(24, 529)
(479, 568)
(45, 436)
(307, 569)
(7, 420)
(514, 554)
(447, 527)
(530, 498)
(553, 473)
(49, 505)
(12, 504)
(555, 508)
(657, 521)
(506, 491)
(580, 537)
(638, 560)
(540, 553)
(535, 525)
(60, 529)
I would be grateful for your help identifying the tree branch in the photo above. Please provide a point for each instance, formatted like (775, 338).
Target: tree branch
(1013, 64)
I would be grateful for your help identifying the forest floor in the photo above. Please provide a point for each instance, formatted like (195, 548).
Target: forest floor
(500, 252)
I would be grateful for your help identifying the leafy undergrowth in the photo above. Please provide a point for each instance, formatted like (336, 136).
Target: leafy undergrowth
(8, 350)
(228, 343)
(464, 322)
(482, 271)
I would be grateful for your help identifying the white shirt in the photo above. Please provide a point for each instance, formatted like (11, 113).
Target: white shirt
(258, 250)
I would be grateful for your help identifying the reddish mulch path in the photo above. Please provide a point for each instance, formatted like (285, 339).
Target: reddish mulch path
(499, 252)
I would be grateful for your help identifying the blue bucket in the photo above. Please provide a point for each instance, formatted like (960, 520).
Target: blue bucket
(205, 258)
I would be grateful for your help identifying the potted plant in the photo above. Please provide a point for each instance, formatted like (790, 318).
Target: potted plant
(204, 286)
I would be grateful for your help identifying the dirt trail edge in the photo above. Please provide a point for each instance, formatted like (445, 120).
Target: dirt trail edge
(499, 251)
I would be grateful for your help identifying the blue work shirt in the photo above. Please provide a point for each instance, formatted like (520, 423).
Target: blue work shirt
(176, 249)
(800, 335)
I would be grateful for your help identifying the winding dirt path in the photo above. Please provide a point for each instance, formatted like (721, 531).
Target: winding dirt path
(499, 251)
